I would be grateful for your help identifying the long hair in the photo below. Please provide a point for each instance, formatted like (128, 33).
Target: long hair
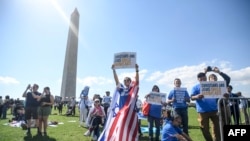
(155, 87)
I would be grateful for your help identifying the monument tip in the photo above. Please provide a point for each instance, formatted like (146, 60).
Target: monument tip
(76, 10)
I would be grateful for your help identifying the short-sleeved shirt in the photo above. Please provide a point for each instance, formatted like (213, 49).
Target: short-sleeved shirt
(169, 131)
(205, 104)
(31, 101)
(107, 99)
(155, 110)
(180, 97)
(124, 93)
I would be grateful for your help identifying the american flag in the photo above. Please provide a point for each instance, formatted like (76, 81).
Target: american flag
(122, 124)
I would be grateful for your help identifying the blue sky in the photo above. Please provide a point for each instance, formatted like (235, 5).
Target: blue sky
(172, 38)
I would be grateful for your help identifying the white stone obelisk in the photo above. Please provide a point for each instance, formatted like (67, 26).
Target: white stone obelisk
(68, 88)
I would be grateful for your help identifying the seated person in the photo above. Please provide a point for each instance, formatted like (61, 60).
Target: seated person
(19, 114)
(95, 118)
(172, 132)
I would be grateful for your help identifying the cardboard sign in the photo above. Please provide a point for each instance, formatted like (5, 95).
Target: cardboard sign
(156, 98)
(213, 89)
(180, 94)
(125, 60)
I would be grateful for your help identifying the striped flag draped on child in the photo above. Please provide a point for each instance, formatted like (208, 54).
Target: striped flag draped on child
(122, 123)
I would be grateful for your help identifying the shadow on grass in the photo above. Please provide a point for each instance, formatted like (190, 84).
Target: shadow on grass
(38, 138)
(193, 127)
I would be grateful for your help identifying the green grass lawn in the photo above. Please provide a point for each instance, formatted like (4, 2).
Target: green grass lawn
(70, 130)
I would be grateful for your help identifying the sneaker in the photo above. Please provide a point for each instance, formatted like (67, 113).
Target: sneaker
(87, 133)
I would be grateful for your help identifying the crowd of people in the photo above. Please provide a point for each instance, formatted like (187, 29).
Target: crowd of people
(171, 116)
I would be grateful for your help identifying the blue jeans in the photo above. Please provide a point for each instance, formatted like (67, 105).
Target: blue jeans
(151, 121)
(183, 112)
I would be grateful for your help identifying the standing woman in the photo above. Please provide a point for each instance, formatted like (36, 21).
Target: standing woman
(46, 101)
(154, 117)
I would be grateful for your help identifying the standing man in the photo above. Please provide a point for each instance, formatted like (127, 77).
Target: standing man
(106, 102)
(207, 110)
(244, 107)
(179, 98)
(73, 105)
(234, 105)
(31, 107)
(225, 111)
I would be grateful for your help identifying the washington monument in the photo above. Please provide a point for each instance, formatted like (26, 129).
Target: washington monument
(68, 88)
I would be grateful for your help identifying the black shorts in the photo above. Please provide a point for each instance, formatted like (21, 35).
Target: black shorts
(31, 112)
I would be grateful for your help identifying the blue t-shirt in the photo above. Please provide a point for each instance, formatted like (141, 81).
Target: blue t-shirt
(169, 131)
(155, 110)
(124, 93)
(205, 104)
(180, 96)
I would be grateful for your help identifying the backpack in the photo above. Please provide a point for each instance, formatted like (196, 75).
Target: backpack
(145, 108)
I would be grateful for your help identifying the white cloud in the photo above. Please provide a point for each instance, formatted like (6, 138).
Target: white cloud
(188, 75)
(241, 77)
(8, 80)
(154, 76)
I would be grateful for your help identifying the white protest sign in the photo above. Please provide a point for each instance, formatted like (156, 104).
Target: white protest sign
(156, 98)
(179, 94)
(125, 60)
(213, 89)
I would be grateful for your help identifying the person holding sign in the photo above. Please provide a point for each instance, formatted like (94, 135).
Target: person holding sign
(154, 116)
(179, 98)
(225, 111)
(128, 85)
(123, 111)
(213, 77)
(207, 110)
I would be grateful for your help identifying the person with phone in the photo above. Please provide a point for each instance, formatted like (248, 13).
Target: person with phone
(31, 107)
